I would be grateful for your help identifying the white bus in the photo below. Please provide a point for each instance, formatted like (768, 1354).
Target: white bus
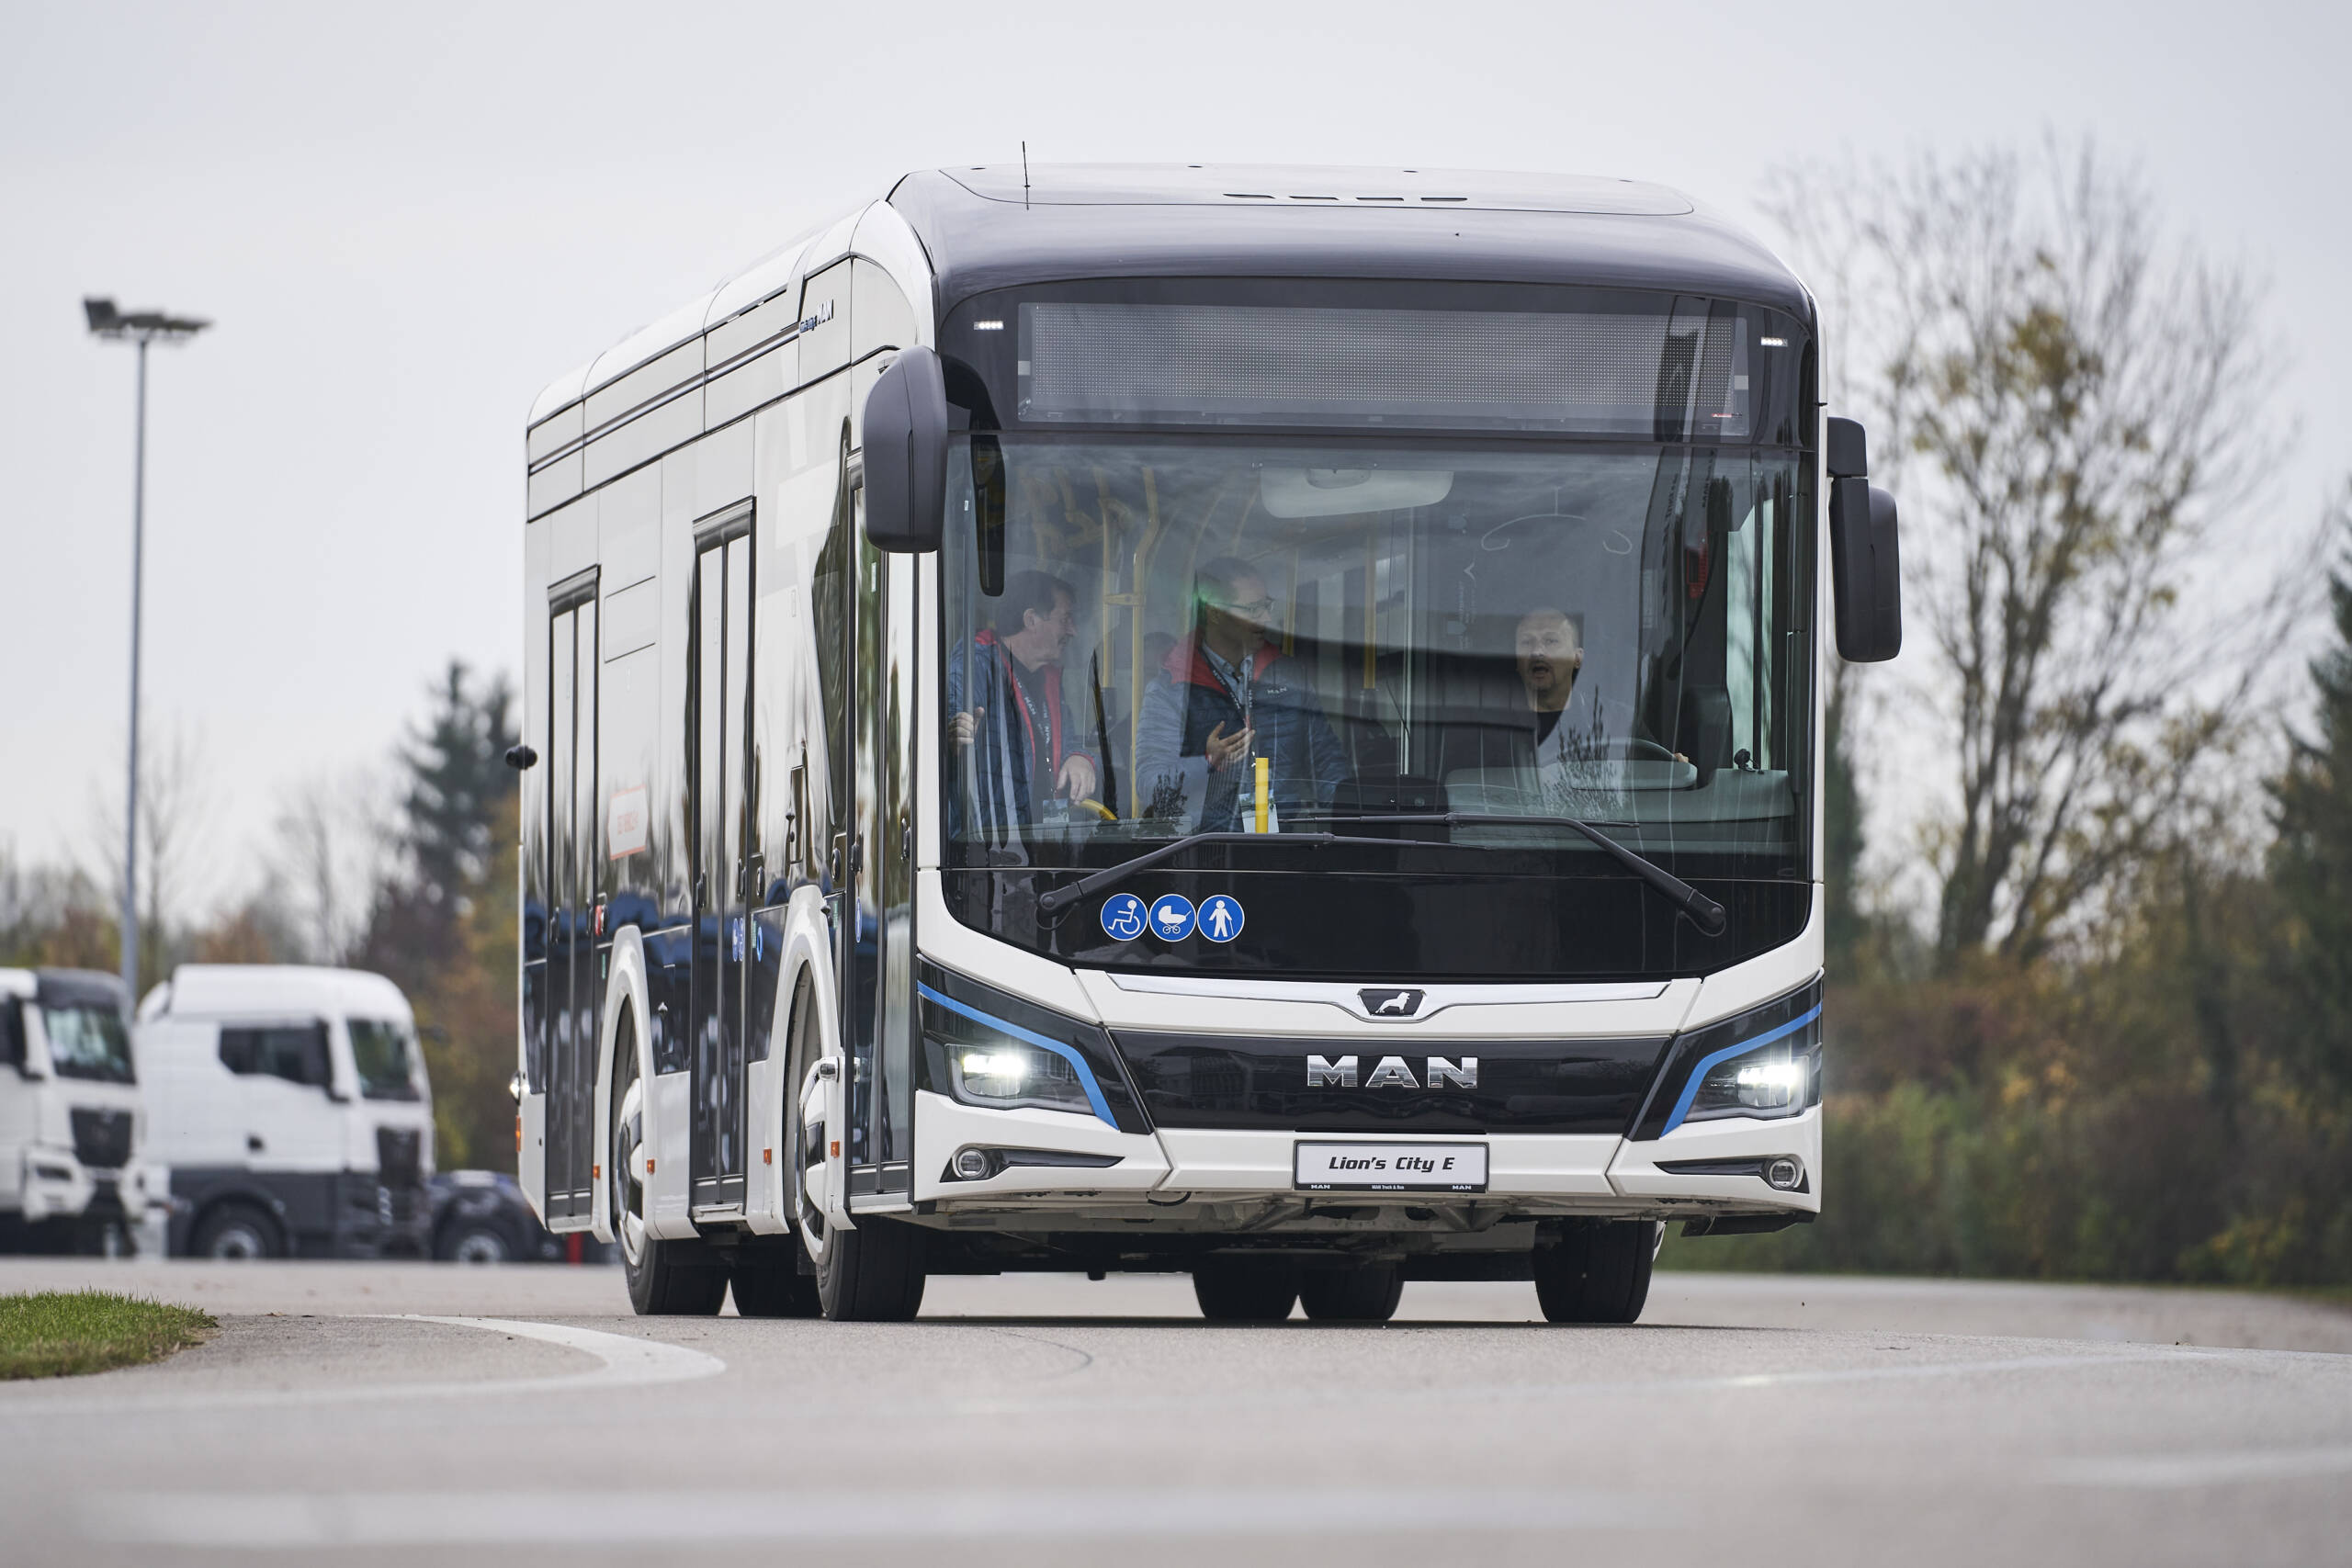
(1254, 722)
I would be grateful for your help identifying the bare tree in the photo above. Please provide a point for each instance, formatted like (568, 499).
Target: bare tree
(176, 819)
(2076, 407)
(333, 842)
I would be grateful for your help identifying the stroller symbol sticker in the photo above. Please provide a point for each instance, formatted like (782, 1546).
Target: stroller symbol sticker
(1221, 917)
(1171, 917)
(1122, 917)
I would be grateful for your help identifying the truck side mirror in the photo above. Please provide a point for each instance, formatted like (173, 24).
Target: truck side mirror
(906, 455)
(1865, 560)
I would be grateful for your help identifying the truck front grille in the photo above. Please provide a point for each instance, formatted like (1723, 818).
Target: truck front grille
(102, 1138)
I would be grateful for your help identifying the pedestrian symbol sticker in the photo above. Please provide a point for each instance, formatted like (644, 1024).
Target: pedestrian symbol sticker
(1122, 917)
(1171, 917)
(1221, 917)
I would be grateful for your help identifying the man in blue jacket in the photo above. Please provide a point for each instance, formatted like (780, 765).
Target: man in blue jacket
(1227, 695)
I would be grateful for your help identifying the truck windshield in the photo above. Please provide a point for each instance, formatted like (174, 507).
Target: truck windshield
(88, 1041)
(381, 1055)
(1145, 638)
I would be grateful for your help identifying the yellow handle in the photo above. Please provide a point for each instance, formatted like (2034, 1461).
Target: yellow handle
(1096, 807)
(1263, 764)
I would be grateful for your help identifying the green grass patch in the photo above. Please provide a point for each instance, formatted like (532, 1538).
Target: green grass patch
(56, 1334)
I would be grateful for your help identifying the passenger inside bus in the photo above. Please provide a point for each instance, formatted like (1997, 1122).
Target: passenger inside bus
(1026, 755)
(1225, 693)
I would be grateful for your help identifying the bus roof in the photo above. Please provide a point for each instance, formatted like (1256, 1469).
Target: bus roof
(1122, 220)
(997, 226)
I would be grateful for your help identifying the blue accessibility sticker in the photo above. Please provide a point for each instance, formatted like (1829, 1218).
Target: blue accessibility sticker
(1122, 917)
(1171, 917)
(1221, 917)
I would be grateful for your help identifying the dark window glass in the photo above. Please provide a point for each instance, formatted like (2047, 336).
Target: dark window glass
(297, 1053)
(12, 1032)
(383, 1057)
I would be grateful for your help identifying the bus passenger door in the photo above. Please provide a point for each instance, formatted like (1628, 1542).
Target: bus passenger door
(878, 932)
(572, 994)
(718, 686)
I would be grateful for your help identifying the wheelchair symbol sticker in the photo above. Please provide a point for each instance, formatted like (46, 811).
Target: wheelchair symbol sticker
(1221, 917)
(1171, 917)
(1122, 917)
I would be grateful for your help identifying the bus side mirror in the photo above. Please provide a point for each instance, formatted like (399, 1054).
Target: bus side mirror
(1865, 561)
(906, 455)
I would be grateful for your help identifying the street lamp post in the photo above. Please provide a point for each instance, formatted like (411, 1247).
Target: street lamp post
(143, 328)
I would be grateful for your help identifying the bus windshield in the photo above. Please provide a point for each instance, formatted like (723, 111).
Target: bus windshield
(1147, 638)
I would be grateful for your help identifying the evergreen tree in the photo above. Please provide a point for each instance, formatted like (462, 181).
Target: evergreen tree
(458, 782)
(2311, 861)
(431, 929)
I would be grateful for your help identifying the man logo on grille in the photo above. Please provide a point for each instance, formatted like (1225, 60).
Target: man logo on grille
(1391, 1004)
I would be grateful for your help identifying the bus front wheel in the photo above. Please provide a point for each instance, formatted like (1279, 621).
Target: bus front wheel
(1246, 1290)
(871, 1274)
(1596, 1270)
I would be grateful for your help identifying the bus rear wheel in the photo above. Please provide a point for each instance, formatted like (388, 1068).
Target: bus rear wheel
(1596, 1270)
(1363, 1293)
(665, 1278)
(1246, 1290)
(767, 1281)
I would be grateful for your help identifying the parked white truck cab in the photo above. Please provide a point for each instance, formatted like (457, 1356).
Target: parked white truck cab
(292, 1107)
(71, 1173)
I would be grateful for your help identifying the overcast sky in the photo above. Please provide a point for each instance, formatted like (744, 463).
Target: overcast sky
(406, 220)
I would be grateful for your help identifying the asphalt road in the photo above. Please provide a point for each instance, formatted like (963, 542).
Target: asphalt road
(406, 1411)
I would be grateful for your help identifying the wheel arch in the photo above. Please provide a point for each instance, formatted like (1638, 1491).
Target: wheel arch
(623, 993)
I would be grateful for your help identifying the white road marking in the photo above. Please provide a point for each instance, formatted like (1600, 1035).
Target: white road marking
(628, 1363)
(2164, 1473)
(295, 1520)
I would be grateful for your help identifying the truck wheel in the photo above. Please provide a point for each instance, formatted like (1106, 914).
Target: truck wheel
(665, 1278)
(236, 1232)
(871, 1274)
(1368, 1293)
(1597, 1270)
(473, 1243)
(767, 1283)
(1246, 1290)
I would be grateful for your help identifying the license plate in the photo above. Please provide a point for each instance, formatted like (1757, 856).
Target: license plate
(1390, 1168)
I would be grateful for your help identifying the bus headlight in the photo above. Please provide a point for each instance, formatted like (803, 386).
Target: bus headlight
(1007, 1072)
(1771, 1083)
(983, 1047)
(1764, 1063)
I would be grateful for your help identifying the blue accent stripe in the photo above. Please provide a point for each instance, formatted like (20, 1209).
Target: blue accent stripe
(1707, 1063)
(1085, 1073)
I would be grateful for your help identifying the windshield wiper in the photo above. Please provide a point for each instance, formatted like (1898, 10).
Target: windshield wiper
(1061, 898)
(1705, 913)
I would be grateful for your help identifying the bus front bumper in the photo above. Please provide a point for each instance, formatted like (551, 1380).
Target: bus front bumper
(1731, 1167)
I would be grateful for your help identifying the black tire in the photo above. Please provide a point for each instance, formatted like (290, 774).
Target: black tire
(474, 1241)
(666, 1279)
(767, 1283)
(237, 1232)
(871, 1274)
(1596, 1270)
(1246, 1290)
(1367, 1293)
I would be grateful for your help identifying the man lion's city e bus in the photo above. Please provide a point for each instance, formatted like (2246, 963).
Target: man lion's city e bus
(1254, 722)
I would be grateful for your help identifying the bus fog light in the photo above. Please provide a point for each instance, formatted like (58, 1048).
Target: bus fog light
(1785, 1172)
(971, 1165)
